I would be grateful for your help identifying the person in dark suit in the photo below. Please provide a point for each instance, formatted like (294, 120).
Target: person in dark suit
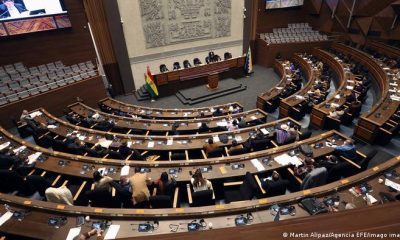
(204, 128)
(275, 185)
(7, 158)
(11, 8)
(123, 149)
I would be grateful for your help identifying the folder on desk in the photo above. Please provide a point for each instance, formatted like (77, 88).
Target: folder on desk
(4, 145)
(73, 232)
(257, 164)
(112, 232)
(150, 144)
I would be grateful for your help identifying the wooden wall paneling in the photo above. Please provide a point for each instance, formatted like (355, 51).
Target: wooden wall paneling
(98, 22)
(72, 45)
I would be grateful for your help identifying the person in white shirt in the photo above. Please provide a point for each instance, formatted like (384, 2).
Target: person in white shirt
(11, 8)
(199, 183)
(60, 195)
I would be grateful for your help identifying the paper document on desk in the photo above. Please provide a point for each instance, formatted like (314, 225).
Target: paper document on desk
(33, 157)
(222, 124)
(95, 116)
(112, 232)
(350, 81)
(20, 149)
(125, 170)
(299, 97)
(35, 114)
(51, 126)
(395, 98)
(264, 131)
(73, 232)
(350, 87)
(285, 159)
(129, 144)
(170, 142)
(253, 117)
(257, 164)
(81, 137)
(216, 139)
(5, 217)
(150, 144)
(4, 145)
(334, 105)
(392, 184)
(104, 142)
(238, 138)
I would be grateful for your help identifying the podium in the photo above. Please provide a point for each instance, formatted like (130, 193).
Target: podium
(213, 79)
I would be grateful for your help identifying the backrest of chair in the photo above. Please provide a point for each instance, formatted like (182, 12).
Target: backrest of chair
(364, 163)
(249, 187)
(215, 153)
(100, 197)
(315, 178)
(161, 201)
(238, 151)
(10, 181)
(178, 156)
(38, 183)
(203, 198)
(277, 188)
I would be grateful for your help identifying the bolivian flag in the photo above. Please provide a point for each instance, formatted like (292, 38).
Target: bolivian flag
(248, 66)
(150, 85)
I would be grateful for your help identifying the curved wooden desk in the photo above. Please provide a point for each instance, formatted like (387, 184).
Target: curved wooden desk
(156, 144)
(374, 125)
(163, 127)
(287, 106)
(83, 166)
(320, 112)
(163, 113)
(222, 216)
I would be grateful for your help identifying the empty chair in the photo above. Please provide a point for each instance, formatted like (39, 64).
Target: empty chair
(177, 66)
(219, 152)
(186, 64)
(202, 198)
(163, 68)
(247, 189)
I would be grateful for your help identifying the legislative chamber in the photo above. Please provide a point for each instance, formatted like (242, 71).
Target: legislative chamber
(223, 119)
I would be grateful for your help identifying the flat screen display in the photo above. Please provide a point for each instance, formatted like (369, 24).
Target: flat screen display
(26, 16)
(272, 4)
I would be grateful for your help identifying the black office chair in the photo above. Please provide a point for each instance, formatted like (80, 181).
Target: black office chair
(305, 134)
(177, 66)
(203, 198)
(186, 64)
(331, 123)
(277, 188)
(219, 152)
(161, 201)
(196, 62)
(163, 68)
(238, 151)
(38, 183)
(101, 197)
(262, 144)
(247, 190)
(114, 155)
(178, 156)
(11, 181)
(227, 55)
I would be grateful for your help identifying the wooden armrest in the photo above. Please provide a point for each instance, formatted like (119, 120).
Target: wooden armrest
(388, 132)
(274, 143)
(187, 155)
(55, 180)
(31, 172)
(79, 190)
(189, 193)
(176, 194)
(166, 134)
(144, 153)
(228, 184)
(295, 109)
(390, 124)
(105, 156)
(351, 162)
(129, 156)
(204, 154)
(43, 173)
(294, 175)
(92, 187)
(113, 191)
(226, 151)
(147, 133)
(169, 156)
(269, 103)
(390, 120)
(130, 130)
(43, 135)
(65, 183)
(361, 154)
(154, 192)
(94, 125)
(259, 184)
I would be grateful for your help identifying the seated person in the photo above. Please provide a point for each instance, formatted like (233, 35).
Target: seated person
(347, 150)
(7, 158)
(304, 169)
(235, 146)
(232, 126)
(165, 185)
(282, 134)
(241, 122)
(210, 146)
(174, 129)
(218, 112)
(139, 182)
(123, 149)
(328, 162)
(350, 97)
(274, 185)
(199, 183)
(101, 181)
(336, 113)
(87, 235)
(204, 128)
(294, 134)
(25, 116)
(61, 195)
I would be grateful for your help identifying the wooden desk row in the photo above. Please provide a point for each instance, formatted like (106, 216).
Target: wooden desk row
(221, 216)
(83, 166)
(112, 105)
(288, 105)
(152, 143)
(162, 127)
(371, 126)
(270, 99)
